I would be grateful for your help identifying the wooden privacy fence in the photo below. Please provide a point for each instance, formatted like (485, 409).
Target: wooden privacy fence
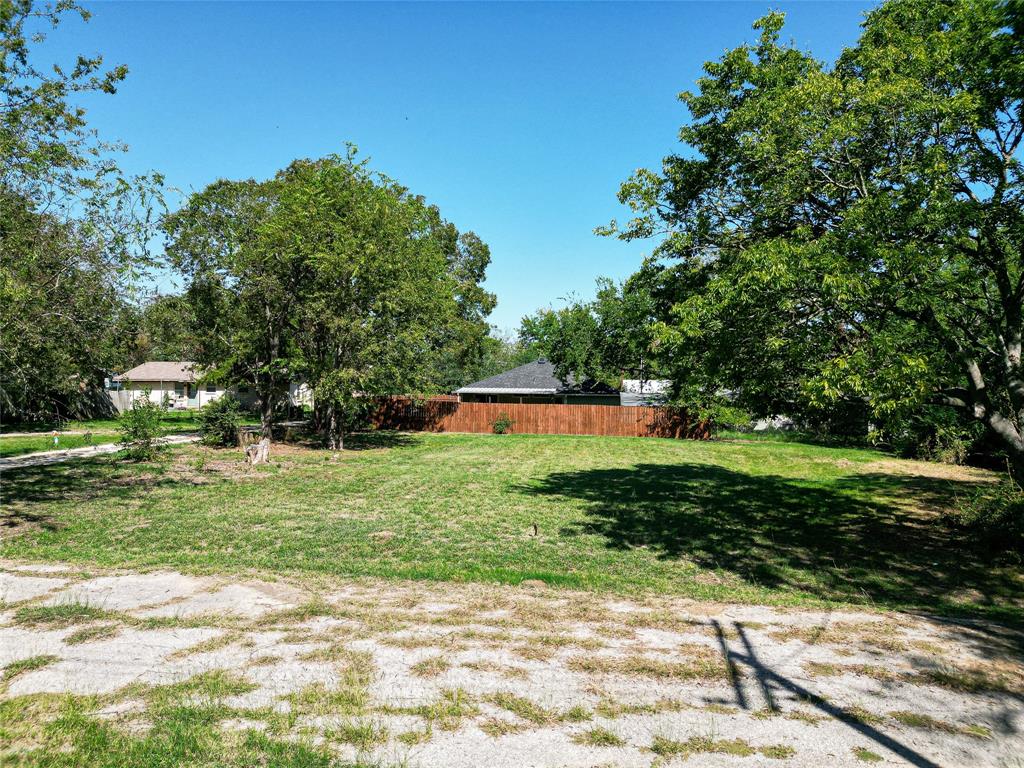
(447, 414)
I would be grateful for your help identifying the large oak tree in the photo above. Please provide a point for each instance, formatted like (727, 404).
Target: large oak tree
(854, 230)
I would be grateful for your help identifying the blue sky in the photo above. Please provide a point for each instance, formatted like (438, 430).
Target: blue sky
(518, 120)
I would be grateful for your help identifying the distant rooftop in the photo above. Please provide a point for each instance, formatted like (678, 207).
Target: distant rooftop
(159, 370)
(536, 378)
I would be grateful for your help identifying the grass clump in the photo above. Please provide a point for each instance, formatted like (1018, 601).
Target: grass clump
(708, 745)
(30, 664)
(599, 737)
(860, 715)
(534, 713)
(524, 708)
(60, 731)
(612, 708)
(497, 727)
(866, 755)
(447, 712)
(700, 744)
(60, 615)
(410, 738)
(215, 643)
(90, 634)
(362, 735)
(929, 723)
(704, 667)
(431, 667)
(874, 671)
(974, 679)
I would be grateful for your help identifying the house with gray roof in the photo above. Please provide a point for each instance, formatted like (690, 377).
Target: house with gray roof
(174, 382)
(536, 382)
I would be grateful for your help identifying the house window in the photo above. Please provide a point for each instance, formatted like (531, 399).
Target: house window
(179, 389)
(211, 387)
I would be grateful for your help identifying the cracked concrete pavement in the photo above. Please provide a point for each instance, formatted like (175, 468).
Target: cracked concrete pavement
(910, 690)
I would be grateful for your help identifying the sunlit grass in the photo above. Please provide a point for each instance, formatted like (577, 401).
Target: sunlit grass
(764, 522)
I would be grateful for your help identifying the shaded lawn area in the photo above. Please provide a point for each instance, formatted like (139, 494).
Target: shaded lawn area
(16, 446)
(760, 522)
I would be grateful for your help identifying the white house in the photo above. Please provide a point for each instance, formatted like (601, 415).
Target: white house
(644, 391)
(174, 380)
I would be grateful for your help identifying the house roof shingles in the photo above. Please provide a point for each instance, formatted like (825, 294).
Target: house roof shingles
(179, 370)
(536, 378)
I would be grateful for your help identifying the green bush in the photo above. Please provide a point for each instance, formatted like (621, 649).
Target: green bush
(219, 422)
(503, 424)
(934, 434)
(994, 518)
(140, 428)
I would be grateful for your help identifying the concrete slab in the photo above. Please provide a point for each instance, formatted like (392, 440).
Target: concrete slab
(132, 591)
(14, 589)
(234, 599)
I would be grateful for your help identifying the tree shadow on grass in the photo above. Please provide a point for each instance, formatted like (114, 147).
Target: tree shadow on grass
(865, 539)
(23, 489)
(354, 441)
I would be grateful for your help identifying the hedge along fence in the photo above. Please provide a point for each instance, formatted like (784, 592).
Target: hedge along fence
(447, 414)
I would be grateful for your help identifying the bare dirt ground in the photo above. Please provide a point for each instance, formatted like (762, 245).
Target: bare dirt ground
(473, 675)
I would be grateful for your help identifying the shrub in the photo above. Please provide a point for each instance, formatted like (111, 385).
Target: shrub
(219, 422)
(503, 424)
(934, 434)
(994, 518)
(140, 428)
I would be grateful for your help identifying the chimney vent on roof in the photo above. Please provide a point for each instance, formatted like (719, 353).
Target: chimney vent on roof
(541, 360)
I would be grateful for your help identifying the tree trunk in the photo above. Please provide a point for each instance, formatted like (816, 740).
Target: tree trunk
(266, 414)
(335, 434)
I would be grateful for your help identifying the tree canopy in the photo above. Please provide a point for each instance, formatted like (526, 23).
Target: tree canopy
(330, 274)
(851, 231)
(607, 339)
(73, 226)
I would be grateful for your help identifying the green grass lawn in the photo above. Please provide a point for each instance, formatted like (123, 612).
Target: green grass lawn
(174, 421)
(15, 446)
(765, 522)
(101, 431)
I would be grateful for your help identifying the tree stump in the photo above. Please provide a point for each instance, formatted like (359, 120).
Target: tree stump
(258, 453)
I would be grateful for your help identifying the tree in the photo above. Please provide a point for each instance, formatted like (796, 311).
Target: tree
(244, 287)
(56, 306)
(382, 294)
(330, 274)
(852, 233)
(73, 227)
(160, 328)
(607, 339)
(463, 346)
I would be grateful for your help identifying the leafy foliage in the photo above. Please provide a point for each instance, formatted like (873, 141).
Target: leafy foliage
(607, 339)
(331, 274)
(503, 424)
(73, 227)
(162, 328)
(851, 234)
(995, 518)
(140, 429)
(220, 420)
